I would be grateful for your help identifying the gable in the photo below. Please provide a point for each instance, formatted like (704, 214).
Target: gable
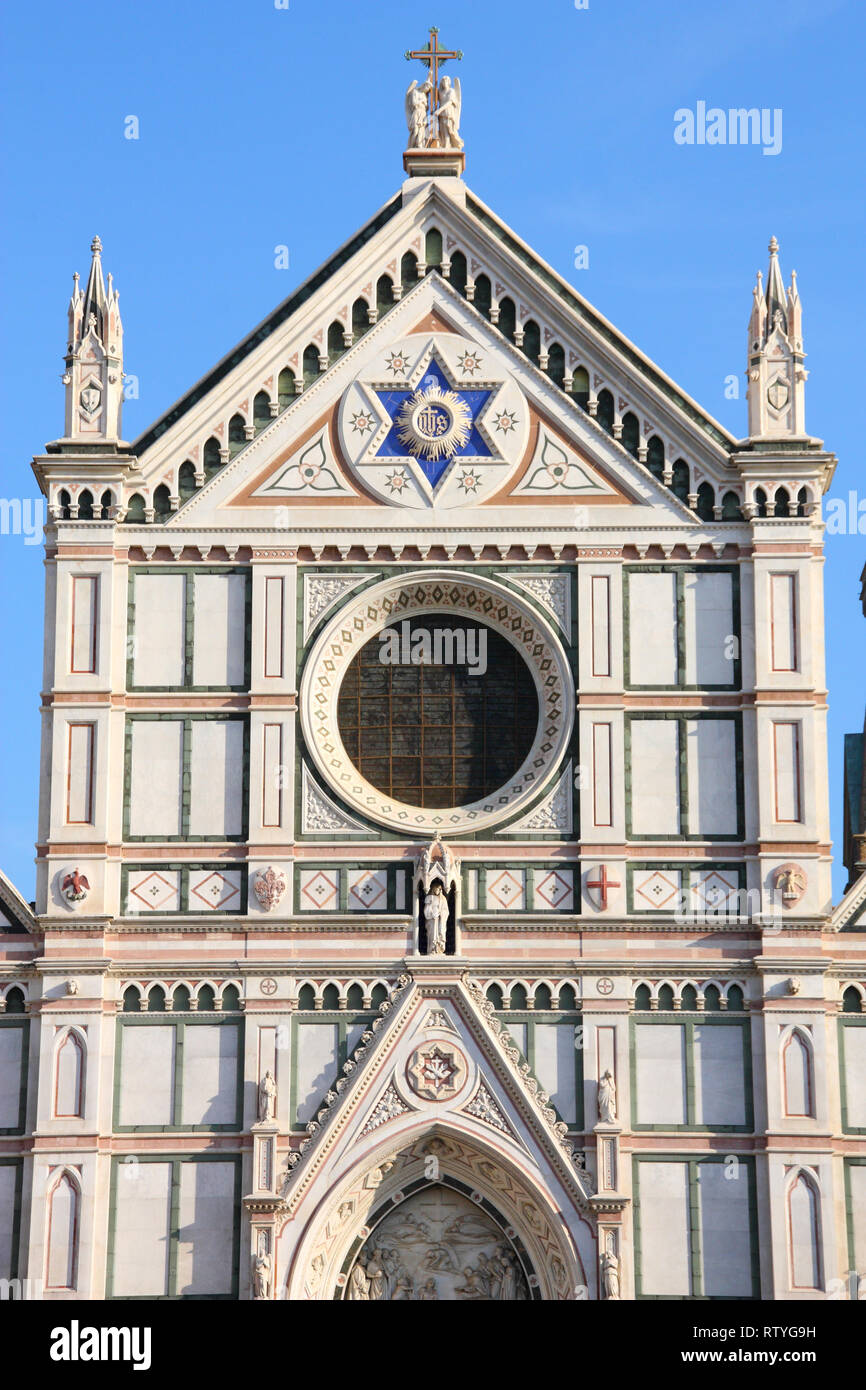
(525, 308)
(339, 443)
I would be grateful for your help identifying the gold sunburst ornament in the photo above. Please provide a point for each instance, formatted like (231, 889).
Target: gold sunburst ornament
(434, 423)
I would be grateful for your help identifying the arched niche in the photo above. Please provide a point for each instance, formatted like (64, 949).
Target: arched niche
(342, 1216)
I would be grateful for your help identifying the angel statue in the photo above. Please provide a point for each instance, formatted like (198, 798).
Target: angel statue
(416, 114)
(447, 114)
(436, 918)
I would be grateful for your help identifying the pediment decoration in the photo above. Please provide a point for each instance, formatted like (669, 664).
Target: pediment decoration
(311, 471)
(556, 471)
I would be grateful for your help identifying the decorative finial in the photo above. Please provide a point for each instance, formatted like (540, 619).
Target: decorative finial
(773, 248)
(96, 246)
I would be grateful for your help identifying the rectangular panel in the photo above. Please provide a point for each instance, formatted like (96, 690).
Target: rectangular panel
(216, 777)
(147, 1075)
(711, 756)
(652, 629)
(156, 777)
(11, 1043)
(319, 890)
(142, 1221)
(272, 770)
(79, 774)
(159, 627)
(854, 1048)
(555, 1066)
(316, 1056)
(7, 1218)
(663, 1196)
(857, 1188)
(506, 889)
(553, 890)
(786, 772)
(210, 1075)
(367, 890)
(153, 890)
(660, 1059)
(655, 777)
(726, 1236)
(709, 624)
(602, 777)
(85, 623)
(220, 629)
(720, 1095)
(783, 622)
(206, 1220)
(215, 890)
(274, 588)
(600, 591)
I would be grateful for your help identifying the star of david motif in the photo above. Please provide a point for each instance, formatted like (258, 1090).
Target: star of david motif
(434, 422)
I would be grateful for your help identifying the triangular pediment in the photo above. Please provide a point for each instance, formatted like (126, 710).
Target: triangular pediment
(264, 429)
(363, 435)
(436, 1060)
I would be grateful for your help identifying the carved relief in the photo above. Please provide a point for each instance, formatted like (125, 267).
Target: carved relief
(437, 1247)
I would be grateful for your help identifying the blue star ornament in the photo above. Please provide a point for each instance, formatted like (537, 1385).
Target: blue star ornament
(434, 423)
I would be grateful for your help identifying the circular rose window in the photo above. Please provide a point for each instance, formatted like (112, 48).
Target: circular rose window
(437, 710)
(439, 702)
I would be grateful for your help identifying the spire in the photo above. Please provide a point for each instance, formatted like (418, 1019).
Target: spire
(95, 300)
(776, 301)
(776, 373)
(94, 357)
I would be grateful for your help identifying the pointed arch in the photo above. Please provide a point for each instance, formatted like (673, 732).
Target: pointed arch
(237, 434)
(106, 502)
(507, 318)
(459, 273)
(731, 507)
(15, 1001)
(532, 341)
(803, 1216)
(798, 1081)
(211, 458)
(706, 502)
(655, 457)
(483, 295)
(556, 364)
(306, 998)
(85, 505)
(161, 503)
(261, 410)
(680, 483)
(782, 502)
(433, 248)
(285, 387)
(630, 437)
(62, 1230)
(64, 502)
(605, 411)
(580, 387)
(135, 510)
(384, 294)
(311, 364)
(852, 1001)
(360, 318)
(408, 270)
(70, 1056)
(336, 345)
(186, 484)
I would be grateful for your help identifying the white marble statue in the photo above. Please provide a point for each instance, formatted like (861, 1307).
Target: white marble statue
(262, 1274)
(607, 1099)
(447, 114)
(436, 918)
(610, 1275)
(267, 1096)
(416, 114)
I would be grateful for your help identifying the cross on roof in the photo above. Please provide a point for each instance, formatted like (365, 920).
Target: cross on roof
(433, 56)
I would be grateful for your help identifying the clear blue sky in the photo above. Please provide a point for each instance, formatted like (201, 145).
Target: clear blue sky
(262, 126)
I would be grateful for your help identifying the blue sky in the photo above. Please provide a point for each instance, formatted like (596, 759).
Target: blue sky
(262, 126)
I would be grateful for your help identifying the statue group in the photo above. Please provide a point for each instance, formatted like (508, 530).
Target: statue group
(381, 1276)
(434, 124)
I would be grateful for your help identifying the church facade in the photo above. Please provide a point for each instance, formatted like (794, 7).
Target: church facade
(434, 894)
